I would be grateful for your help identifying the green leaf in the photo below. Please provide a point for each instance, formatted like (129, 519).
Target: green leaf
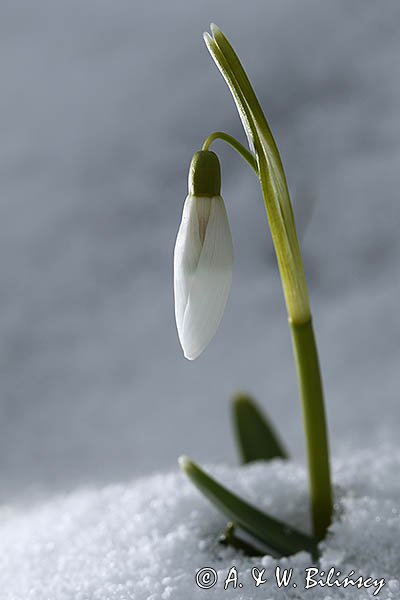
(229, 538)
(282, 539)
(255, 436)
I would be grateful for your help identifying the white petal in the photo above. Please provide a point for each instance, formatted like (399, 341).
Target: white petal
(186, 257)
(209, 285)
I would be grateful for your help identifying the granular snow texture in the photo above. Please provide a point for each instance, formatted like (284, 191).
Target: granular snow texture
(147, 539)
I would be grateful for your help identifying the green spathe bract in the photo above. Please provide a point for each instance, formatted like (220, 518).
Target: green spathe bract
(265, 160)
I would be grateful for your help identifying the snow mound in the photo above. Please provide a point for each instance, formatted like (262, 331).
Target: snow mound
(148, 539)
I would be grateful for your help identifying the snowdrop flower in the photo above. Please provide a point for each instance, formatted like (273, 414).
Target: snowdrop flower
(203, 270)
(203, 257)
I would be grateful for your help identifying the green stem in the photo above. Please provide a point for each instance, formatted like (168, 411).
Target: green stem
(244, 84)
(280, 217)
(244, 153)
(272, 180)
(309, 378)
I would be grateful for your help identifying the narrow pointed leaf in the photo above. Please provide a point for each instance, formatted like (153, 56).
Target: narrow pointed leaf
(282, 539)
(255, 436)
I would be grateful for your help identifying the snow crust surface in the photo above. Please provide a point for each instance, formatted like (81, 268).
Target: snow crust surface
(147, 540)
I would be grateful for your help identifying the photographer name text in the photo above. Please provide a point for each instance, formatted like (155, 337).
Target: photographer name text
(207, 578)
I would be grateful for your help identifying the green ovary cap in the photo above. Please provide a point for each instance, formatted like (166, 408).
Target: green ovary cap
(205, 174)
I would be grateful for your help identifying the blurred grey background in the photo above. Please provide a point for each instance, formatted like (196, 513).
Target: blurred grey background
(102, 105)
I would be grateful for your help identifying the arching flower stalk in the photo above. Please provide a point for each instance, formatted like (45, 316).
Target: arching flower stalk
(264, 158)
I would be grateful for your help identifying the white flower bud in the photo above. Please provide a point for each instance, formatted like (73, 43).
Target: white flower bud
(203, 258)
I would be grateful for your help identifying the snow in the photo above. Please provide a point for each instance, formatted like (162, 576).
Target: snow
(147, 539)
